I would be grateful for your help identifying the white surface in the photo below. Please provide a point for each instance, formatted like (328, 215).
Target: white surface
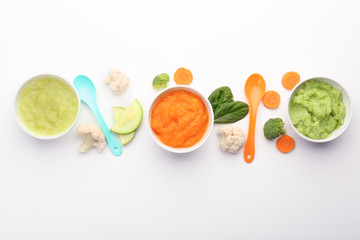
(50, 191)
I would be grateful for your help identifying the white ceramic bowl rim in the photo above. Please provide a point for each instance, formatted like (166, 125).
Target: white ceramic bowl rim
(346, 100)
(18, 119)
(208, 131)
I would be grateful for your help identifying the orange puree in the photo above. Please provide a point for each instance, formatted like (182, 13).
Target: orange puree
(179, 119)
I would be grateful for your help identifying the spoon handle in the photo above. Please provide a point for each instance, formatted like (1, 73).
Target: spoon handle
(113, 143)
(249, 151)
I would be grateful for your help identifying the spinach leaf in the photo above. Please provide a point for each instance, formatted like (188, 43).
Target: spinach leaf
(230, 112)
(225, 109)
(220, 96)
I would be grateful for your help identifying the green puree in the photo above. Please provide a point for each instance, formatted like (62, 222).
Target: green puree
(316, 109)
(48, 106)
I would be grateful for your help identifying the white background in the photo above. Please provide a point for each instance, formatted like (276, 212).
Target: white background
(50, 191)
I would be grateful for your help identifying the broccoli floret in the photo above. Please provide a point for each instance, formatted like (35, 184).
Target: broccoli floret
(160, 81)
(273, 128)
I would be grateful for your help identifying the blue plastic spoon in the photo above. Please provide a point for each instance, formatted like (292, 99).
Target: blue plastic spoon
(86, 89)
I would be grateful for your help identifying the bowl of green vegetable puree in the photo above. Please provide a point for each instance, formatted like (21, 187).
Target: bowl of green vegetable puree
(319, 109)
(47, 106)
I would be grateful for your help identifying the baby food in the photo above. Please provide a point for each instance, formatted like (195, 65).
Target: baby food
(317, 109)
(179, 119)
(48, 106)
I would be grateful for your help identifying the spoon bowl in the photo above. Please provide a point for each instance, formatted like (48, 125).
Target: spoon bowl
(86, 90)
(254, 90)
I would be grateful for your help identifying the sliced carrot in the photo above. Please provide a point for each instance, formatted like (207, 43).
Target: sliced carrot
(285, 143)
(290, 79)
(271, 99)
(183, 76)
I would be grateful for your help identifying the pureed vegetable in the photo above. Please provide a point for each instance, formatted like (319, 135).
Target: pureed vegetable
(317, 109)
(48, 106)
(179, 119)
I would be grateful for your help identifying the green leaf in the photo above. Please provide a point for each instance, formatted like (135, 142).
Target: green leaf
(220, 96)
(230, 112)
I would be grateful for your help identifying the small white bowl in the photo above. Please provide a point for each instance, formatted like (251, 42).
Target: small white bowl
(346, 100)
(24, 127)
(209, 128)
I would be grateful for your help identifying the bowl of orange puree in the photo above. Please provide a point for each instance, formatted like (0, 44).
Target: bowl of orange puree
(180, 119)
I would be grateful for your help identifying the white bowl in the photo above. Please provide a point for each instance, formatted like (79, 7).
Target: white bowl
(24, 127)
(346, 100)
(207, 133)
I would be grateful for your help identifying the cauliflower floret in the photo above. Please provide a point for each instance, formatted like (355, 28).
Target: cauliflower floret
(117, 80)
(232, 139)
(92, 136)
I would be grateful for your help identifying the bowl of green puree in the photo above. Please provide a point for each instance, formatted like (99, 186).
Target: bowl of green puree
(47, 106)
(319, 109)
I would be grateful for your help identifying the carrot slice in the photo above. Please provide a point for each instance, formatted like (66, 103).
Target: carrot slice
(285, 143)
(183, 76)
(290, 79)
(271, 99)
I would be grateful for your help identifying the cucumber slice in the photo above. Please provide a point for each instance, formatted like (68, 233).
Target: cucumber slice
(127, 120)
(125, 139)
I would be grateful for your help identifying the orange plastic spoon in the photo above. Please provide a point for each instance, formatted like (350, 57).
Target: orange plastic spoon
(254, 91)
